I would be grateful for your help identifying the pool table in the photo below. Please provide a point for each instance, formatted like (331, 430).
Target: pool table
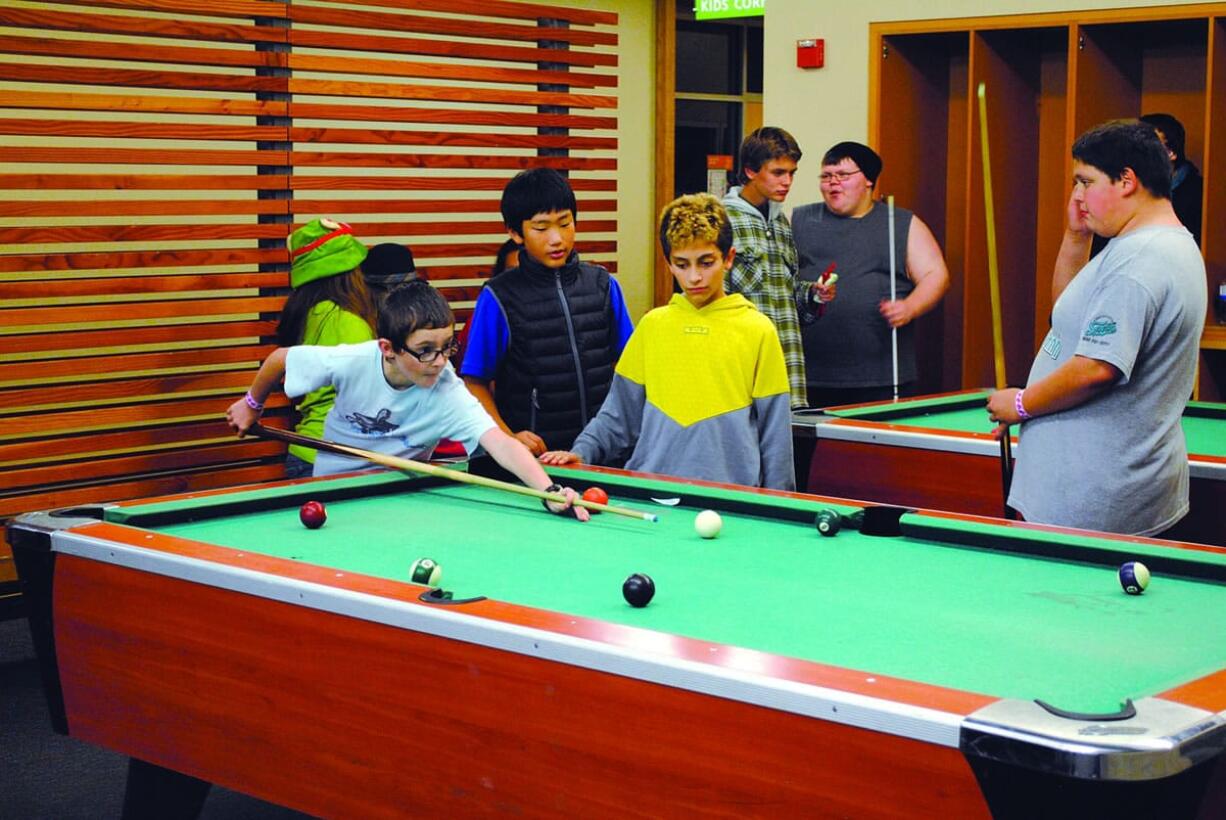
(889, 670)
(938, 452)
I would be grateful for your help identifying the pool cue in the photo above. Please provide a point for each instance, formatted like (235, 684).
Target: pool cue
(409, 465)
(998, 336)
(889, 200)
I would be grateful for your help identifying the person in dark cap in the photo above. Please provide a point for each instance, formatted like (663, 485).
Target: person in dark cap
(1187, 187)
(849, 354)
(387, 264)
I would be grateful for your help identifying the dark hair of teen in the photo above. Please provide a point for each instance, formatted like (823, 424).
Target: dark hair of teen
(535, 191)
(504, 253)
(1172, 131)
(1119, 144)
(413, 306)
(347, 291)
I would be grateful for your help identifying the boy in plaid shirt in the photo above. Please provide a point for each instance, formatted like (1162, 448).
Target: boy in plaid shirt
(765, 266)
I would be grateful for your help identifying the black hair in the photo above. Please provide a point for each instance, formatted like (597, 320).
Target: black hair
(412, 306)
(1172, 130)
(504, 252)
(695, 218)
(347, 291)
(1119, 144)
(535, 191)
(765, 144)
(865, 158)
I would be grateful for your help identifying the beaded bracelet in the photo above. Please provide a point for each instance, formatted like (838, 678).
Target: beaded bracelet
(252, 403)
(1019, 407)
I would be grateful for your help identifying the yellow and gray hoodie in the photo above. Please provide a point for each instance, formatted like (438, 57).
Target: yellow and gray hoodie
(699, 394)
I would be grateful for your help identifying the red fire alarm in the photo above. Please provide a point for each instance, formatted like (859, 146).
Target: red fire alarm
(810, 53)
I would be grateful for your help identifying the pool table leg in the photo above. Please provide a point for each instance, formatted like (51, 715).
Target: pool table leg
(155, 793)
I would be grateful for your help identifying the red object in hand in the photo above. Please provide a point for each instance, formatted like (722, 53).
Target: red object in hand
(312, 515)
(596, 496)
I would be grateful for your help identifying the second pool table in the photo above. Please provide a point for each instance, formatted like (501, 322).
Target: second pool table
(777, 672)
(938, 452)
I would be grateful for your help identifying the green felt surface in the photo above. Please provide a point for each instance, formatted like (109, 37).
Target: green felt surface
(966, 618)
(1204, 423)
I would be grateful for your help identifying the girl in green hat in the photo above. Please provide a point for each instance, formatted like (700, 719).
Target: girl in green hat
(330, 305)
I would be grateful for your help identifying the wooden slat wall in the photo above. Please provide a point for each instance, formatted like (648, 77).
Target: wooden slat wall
(155, 155)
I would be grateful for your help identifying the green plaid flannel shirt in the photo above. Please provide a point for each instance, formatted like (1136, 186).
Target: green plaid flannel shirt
(764, 270)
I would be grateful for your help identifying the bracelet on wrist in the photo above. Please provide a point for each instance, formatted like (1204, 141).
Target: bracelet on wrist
(1022, 415)
(552, 488)
(252, 403)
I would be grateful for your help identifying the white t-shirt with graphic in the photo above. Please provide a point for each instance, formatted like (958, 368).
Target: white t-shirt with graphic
(371, 414)
(1119, 462)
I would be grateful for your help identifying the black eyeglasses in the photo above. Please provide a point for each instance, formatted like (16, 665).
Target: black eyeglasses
(837, 176)
(431, 355)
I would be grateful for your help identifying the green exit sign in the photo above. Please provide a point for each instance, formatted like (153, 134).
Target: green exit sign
(720, 9)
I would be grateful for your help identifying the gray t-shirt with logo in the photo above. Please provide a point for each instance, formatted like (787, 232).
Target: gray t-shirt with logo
(1119, 462)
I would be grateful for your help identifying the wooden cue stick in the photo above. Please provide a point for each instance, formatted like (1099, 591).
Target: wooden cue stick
(998, 339)
(893, 291)
(998, 336)
(409, 465)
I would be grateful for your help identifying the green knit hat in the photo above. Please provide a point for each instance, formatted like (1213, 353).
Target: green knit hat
(323, 248)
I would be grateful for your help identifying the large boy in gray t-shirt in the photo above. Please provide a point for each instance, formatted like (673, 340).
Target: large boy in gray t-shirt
(1101, 443)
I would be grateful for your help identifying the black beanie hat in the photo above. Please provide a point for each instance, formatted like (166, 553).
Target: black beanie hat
(388, 264)
(865, 158)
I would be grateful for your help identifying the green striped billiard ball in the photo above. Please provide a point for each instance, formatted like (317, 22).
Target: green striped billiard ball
(828, 522)
(426, 571)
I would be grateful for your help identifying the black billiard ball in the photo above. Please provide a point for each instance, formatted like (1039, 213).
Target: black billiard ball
(638, 589)
(828, 522)
(312, 515)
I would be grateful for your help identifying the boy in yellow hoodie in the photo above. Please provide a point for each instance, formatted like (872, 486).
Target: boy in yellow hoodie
(701, 390)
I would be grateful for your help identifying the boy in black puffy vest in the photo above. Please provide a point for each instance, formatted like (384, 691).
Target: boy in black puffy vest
(545, 335)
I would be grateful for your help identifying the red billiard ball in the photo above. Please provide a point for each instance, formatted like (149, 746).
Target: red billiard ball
(312, 515)
(596, 496)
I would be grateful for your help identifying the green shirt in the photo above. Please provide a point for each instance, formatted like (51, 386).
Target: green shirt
(326, 325)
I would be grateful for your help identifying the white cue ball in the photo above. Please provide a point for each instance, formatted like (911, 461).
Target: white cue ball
(708, 523)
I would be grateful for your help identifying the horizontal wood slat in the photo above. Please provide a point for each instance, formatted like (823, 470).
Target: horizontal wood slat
(148, 438)
(98, 50)
(169, 259)
(410, 91)
(404, 68)
(211, 8)
(64, 422)
(111, 366)
(352, 19)
(243, 119)
(362, 136)
(40, 20)
(149, 105)
(308, 182)
(48, 234)
(383, 114)
(46, 343)
(100, 394)
(144, 182)
(117, 285)
(127, 311)
(122, 466)
(496, 8)
(141, 130)
(450, 48)
(141, 156)
(140, 78)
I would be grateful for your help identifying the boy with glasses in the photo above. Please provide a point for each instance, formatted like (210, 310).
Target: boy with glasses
(395, 394)
(850, 352)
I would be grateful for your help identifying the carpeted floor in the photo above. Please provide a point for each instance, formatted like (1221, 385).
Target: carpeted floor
(45, 775)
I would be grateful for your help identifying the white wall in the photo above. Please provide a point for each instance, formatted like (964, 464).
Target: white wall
(823, 106)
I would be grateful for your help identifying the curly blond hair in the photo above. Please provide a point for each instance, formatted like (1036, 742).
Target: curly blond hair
(695, 218)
